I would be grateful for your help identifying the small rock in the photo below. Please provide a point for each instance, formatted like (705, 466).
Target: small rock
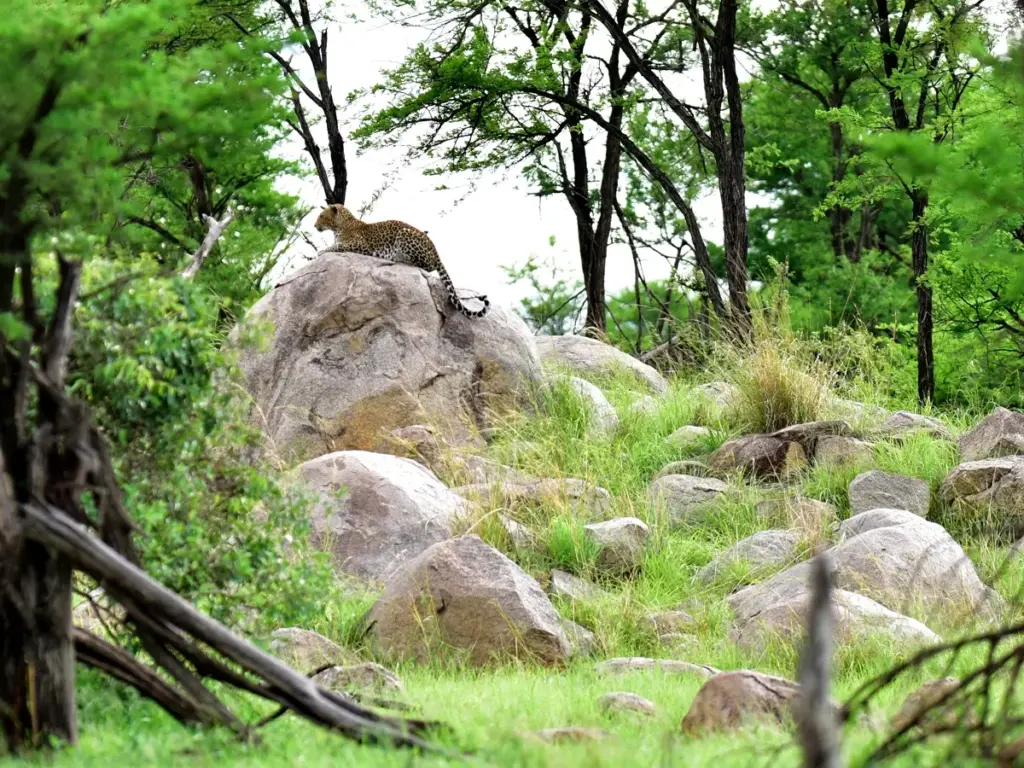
(625, 665)
(552, 491)
(903, 424)
(882, 490)
(760, 455)
(721, 394)
(688, 436)
(809, 433)
(582, 640)
(622, 542)
(361, 677)
(520, 536)
(566, 585)
(626, 702)
(604, 419)
(730, 700)
(684, 467)
(591, 357)
(809, 517)
(764, 550)
(999, 434)
(925, 697)
(667, 622)
(843, 451)
(682, 496)
(571, 735)
(304, 650)
(645, 405)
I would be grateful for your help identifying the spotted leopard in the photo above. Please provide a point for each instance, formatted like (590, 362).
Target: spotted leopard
(392, 240)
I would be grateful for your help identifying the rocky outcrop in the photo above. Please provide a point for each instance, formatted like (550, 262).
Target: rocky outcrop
(589, 357)
(375, 512)
(763, 551)
(465, 596)
(684, 496)
(361, 347)
(882, 490)
(999, 434)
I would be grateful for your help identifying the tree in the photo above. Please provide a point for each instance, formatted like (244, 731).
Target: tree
(68, 129)
(294, 21)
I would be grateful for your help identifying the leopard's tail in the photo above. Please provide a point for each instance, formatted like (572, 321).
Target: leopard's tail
(453, 297)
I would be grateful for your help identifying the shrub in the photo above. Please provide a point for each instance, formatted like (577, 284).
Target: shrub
(774, 390)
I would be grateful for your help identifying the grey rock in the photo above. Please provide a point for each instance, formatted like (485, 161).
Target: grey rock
(463, 594)
(669, 622)
(688, 436)
(590, 357)
(732, 700)
(999, 434)
(625, 665)
(620, 701)
(304, 650)
(882, 490)
(554, 491)
(573, 587)
(903, 424)
(622, 541)
(762, 551)
(720, 394)
(362, 346)
(843, 451)
(390, 509)
(994, 488)
(359, 677)
(582, 640)
(604, 419)
(684, 496)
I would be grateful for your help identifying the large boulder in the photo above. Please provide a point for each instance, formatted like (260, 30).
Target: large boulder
(760, 455)
(883, 490)
(905, 563)
(854, 617)
(993, 487)
(762, 551)
(361, 346)
(590, 357)
(999, 434)
(375, 512)
(464, 595)
(683, 496)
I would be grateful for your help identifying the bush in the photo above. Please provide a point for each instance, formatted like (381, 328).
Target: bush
(774, 390)
(148, 360)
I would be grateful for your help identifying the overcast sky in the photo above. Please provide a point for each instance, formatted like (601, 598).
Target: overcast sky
(497, 224)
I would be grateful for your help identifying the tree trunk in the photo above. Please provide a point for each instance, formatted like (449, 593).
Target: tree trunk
(839, 215)
(919, 252)
(734, 225)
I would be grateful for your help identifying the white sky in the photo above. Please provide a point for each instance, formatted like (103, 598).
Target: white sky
(498, 224)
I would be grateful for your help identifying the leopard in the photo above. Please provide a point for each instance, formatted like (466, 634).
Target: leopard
(393, 241)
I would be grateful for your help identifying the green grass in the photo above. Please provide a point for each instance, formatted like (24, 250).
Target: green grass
(488, 710)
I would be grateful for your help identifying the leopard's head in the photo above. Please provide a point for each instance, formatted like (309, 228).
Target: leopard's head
(333, 217)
